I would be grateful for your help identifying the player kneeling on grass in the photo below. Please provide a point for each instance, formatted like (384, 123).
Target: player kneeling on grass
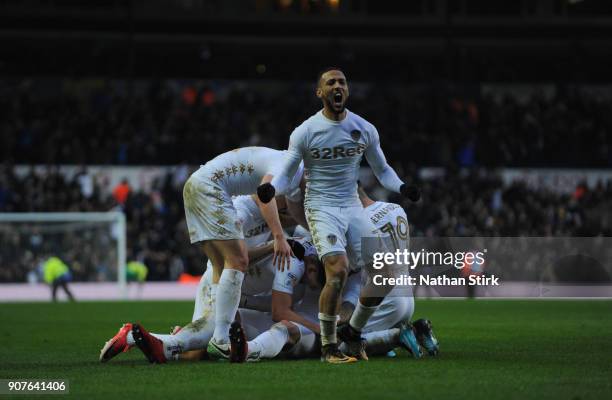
(389, 234)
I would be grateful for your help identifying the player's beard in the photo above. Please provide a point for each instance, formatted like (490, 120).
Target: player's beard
(331, 104)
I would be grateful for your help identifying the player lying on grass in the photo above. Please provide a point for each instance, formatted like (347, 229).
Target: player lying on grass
(256, 235)
(212, 220)
(261, 278)
(388, 327)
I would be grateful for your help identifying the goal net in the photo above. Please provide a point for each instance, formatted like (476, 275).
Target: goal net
(91, 244)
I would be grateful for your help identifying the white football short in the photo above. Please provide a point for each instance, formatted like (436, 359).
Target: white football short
(339, 230)
(209, 211)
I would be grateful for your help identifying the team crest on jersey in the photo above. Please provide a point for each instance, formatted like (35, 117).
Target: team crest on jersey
(332, 239)
(355, 134)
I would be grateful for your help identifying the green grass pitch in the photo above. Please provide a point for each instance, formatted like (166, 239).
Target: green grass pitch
(489, 350)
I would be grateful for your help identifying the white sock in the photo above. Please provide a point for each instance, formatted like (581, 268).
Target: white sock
(214, 291)
(205, 297)
(381, 342)
(361, 315)
(193, 336)
(328, 328)
(228, 297)
(270, 343)
(162, 337)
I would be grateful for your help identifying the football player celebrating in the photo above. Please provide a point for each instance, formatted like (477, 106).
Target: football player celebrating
(332, 143)
(212, 220)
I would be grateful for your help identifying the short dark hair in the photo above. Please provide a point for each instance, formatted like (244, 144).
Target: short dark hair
(361, 192)
(325, 70)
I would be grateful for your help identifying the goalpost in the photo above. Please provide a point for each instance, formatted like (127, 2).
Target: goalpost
(93, 244)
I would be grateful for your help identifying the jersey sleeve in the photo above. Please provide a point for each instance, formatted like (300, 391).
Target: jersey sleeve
(383, 171)
(285, 281)
(291, 163)
(293, 192)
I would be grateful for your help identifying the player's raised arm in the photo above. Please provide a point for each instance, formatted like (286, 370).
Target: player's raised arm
(387, 175)
(287, 169)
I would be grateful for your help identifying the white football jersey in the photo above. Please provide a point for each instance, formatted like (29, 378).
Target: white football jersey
(332, 152)
(240, 171)
(390, 219)
(254, 227)
(262, 277)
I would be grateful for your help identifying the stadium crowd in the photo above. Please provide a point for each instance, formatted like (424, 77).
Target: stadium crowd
(86, 122)
(462, 203)
(171, 122)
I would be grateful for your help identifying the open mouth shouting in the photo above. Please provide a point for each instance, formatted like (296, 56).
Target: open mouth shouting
(338, 100)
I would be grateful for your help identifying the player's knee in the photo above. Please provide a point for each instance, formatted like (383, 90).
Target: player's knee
(238, 261)
(336, 278)
(336, 273)
(336, 267)
(336, 282)
(292, 330)
(335, 259)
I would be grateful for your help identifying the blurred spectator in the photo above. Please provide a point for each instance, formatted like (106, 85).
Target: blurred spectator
(85, 181)
(136, 271)
(121, 192)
